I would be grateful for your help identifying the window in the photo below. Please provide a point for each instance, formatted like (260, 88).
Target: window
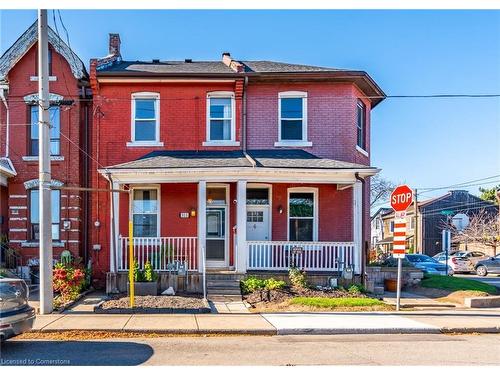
(145, 212)
(302, 216)
(145, 118)
(255, 216)
(55, 127)
(292, 117)
(377, 224)
(35, 214)
(220, 117)
(391, 224)
(216, 195)
(361, 125)
(258, 196)
(49, 56)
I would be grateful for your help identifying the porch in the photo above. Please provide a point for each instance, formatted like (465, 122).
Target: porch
(221, 211)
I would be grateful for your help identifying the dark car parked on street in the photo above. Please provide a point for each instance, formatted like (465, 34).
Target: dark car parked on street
(16, 315)
(486, 266)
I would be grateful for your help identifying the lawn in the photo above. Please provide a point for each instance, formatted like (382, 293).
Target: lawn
(456, 284)
(335, 302)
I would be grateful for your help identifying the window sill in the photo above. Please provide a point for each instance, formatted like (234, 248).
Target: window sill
(144, 144)
(362, 151)
(35, 158)
(37, 244)
(35, 78)
(293, 144)
(221, 143)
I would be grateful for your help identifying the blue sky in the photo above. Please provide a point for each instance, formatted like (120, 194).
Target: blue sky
(423, 142)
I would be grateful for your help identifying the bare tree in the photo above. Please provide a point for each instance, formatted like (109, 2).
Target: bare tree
(483, 228)
(380, 189)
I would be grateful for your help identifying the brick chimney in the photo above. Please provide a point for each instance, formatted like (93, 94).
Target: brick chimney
(114, 44)
(233, 64)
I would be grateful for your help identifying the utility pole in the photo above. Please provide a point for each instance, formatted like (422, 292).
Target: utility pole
(44, 175)
(415, 228)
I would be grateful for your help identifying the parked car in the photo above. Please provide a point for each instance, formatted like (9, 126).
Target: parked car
(472, 256)
(429, 265)
(486, 266)
(457, 263)
(16, 316)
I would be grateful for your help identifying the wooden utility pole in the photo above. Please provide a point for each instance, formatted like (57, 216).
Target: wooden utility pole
(44, 175)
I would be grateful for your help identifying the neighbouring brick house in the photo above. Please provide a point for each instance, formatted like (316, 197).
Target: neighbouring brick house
(68, 85)
(254, 165)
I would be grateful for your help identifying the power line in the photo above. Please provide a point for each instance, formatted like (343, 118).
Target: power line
(462, 184)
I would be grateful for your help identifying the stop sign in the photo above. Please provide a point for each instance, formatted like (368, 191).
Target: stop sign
(401, 198)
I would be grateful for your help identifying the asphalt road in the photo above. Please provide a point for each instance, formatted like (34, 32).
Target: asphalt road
(433, 349)
(489, 279)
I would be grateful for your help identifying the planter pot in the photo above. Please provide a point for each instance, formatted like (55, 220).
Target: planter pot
(144, 288)
(391, 285)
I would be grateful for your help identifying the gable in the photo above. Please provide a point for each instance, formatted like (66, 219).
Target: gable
(23, 44)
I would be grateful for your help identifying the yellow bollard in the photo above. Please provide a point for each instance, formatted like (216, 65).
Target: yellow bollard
(131, 263)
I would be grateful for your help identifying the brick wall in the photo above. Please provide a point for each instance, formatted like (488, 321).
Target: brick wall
(67, 171)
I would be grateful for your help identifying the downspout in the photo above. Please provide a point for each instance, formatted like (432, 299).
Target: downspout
(363, 244)
(112, 254)
(85, 180)
(4, 100)
(244, 116)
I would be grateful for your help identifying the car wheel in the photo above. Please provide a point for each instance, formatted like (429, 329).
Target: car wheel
(481, 271)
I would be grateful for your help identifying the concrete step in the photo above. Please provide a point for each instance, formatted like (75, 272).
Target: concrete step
(232, 292)
(224, 276)
(223, 298)
(223, 283)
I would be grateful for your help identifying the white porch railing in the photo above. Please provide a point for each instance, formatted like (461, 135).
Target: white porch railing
(307, 256)
(161, 252)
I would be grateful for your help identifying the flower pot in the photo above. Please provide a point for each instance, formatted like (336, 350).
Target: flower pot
(391, 285)
(144, 288)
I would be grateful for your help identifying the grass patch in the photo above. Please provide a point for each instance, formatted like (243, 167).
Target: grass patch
(335, 302)
(456, 284)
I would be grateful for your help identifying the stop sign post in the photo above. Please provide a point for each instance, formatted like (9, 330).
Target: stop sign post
(401, 199)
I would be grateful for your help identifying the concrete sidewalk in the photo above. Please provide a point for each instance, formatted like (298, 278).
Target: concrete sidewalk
(438, 321)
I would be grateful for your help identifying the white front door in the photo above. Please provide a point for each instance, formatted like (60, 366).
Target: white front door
(258, 223)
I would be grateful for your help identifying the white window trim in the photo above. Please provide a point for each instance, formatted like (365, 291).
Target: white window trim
(35, 158)
(293, 143)
(232, 141)
(364, 152)
(360, 104)
(158, 213)
(156, 141)
(316, 213)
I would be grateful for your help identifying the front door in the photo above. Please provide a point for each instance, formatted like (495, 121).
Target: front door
(217, 226)
(258, 223)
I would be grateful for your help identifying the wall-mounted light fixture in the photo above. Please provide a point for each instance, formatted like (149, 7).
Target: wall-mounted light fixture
(192, 212)
(280, 209)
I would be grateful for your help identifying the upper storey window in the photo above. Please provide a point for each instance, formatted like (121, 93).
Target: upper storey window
(361, 125)
(292, 119)
(54, 133)
(220, 119)
(145, 119)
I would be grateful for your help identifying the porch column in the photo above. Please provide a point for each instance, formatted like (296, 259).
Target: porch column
(202, 218)
(114, 245)
(357, 200)
(241, 228)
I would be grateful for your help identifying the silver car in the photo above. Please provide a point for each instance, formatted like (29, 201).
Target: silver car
(16, 316)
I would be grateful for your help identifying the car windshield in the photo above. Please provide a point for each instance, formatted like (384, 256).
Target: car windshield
(418, 258)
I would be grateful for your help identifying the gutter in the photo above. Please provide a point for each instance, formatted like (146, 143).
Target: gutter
(4, 100)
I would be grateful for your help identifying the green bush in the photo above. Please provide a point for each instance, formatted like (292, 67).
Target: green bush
(297, 278)
(273, 284)
(251, 284)
(356, 289)
(146, 275)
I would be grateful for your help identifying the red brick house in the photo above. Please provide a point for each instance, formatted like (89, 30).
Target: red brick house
(68, 85)
(252, 165)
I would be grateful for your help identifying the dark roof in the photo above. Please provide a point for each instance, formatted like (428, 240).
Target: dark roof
(208, 67)
(225, 159)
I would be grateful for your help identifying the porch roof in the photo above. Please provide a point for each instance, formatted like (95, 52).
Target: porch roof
(296, 159)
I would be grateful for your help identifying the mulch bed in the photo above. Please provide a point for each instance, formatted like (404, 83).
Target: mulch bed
(279, 300)
(191, 304)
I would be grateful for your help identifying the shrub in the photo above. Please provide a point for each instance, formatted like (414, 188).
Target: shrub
(273, 284)
(68, 281)
(146, 275)
(297, 278)
(356, 289)
(251, 284)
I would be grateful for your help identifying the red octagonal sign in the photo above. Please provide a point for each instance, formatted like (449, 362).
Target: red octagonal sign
(401, 198)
